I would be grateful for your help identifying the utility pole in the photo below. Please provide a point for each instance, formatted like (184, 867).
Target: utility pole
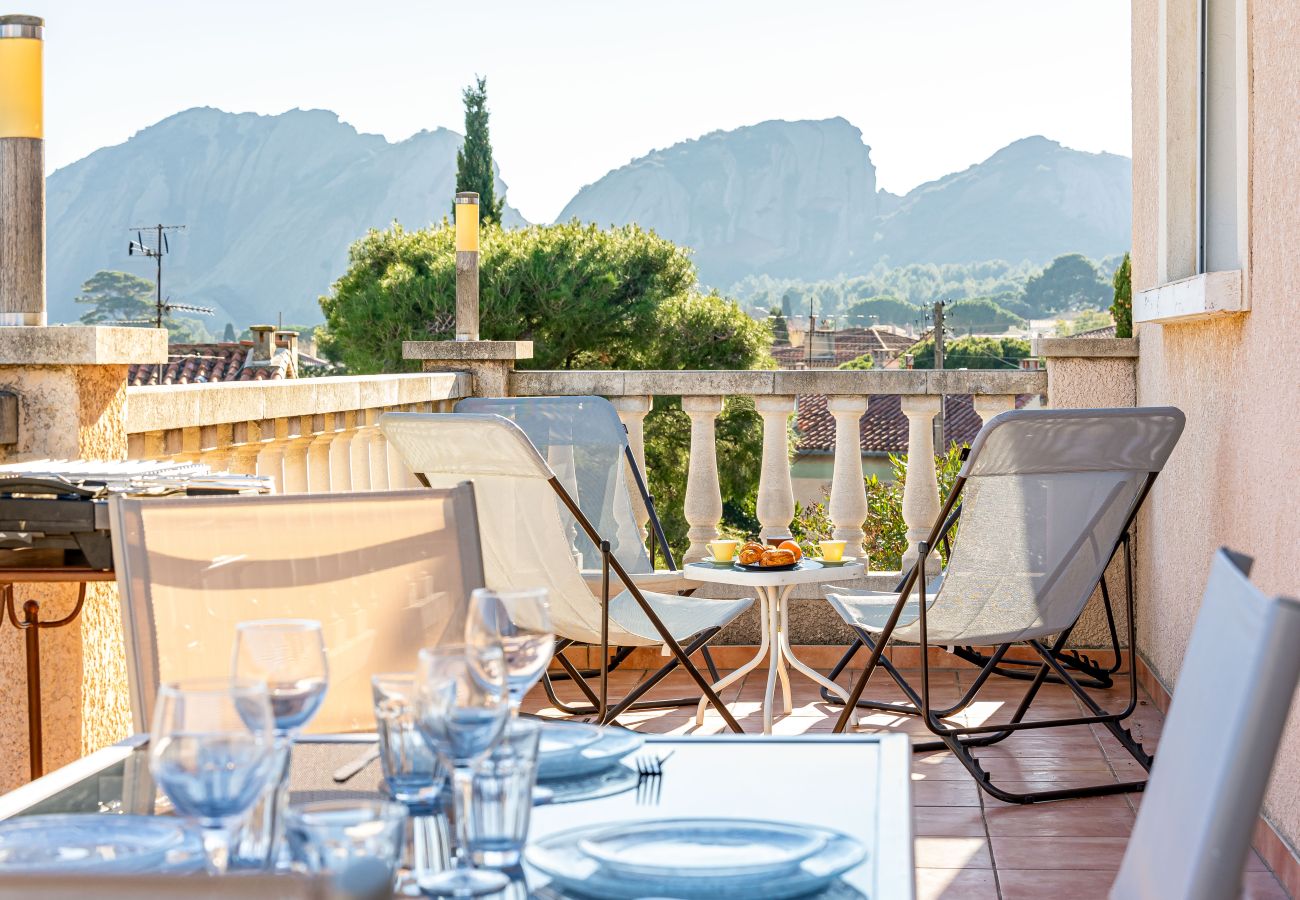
(939, 445)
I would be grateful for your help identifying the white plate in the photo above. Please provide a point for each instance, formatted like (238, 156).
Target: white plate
(607, 748)
(844, 561)
(716, 848)
(98, 843)
(573, 873)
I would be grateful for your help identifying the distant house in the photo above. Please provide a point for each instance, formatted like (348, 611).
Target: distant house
(271, 355)
(826, 349)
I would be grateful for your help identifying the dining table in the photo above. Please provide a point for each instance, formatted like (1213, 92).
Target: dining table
(858, 784)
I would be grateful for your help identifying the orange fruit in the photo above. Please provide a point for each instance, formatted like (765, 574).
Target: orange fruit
(793, 548)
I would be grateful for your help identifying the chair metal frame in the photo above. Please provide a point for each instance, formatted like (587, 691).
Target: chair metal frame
(960, 739)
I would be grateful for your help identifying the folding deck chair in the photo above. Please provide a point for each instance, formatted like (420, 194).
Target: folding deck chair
(585, 443)
(1046, 499)
(1218, 743)
(385, 572)
(525, 514)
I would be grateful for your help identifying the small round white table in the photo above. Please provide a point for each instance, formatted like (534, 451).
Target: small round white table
(773, 590)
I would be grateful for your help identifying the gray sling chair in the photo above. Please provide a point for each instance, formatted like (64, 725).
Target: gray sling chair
(1218, 743)
(524, 513)
(385, 572)
(585, 443)
(1046, 499)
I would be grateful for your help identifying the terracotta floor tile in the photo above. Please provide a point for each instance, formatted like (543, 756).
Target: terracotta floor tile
(1035, 884)
(955, 884)
(949, 852)
(1066, 818)
(945, 793)
(1091, 853)
(948, 821)
(1262, 886)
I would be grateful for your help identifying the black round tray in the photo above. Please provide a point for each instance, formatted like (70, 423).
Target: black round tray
(755, 567)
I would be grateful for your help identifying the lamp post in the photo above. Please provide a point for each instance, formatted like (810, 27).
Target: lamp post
(466, 208)
(22, 172)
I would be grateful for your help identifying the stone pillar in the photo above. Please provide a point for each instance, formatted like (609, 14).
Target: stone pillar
(921, 491)
(775, 506)
(246, 440)
(216, 446)
(488, 362)
(270, 455)
(378, 451)
(989, 405)
(340, 457)
(319, 471)
(1091, 373)
(71, 387)
(632, 411)
(703, 505)
(848, 502)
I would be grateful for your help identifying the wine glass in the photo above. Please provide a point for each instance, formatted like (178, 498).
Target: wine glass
(289, 655)
(463, 708)
(523, 621)
(211, 751)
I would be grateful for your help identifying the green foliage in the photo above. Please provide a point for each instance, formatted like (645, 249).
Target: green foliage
(780, 327)
(1121, 308)
(972, 353)
(886, 539)
(862, 362)
(882, 311)
(1069, 282)
(474, 159)
(980, 314)
(620, 298)
(229, 336)
(1088, 320)
(120, 297)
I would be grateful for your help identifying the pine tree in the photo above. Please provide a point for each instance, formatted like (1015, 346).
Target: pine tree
(474, 159)
(1121, 310)
(229, 336)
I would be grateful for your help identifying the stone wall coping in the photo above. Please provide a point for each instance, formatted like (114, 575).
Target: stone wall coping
(467, 350)
(1085, 348)
(165, 407)
(81, 345)
(617, 383)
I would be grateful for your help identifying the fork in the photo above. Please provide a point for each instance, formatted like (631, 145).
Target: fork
(651, 766)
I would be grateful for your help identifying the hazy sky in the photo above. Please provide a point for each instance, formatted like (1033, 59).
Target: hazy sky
(579, 88)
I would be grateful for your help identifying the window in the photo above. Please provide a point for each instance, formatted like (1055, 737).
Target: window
(1221, 187)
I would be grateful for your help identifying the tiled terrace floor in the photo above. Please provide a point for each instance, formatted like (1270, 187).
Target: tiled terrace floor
(969, 845)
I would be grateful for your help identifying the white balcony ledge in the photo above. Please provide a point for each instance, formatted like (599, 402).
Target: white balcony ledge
(1190, 299)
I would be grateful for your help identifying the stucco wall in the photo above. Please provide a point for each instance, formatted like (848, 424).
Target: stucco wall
(1234, 479)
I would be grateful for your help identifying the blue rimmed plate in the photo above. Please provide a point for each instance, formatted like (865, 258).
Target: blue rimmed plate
(572, 872)
(720, 848)
(579, 750)
(98, 843)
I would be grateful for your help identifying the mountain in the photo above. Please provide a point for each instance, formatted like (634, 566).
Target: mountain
(798, 199)
(785, 198)
(1032, 200)
(271, 204)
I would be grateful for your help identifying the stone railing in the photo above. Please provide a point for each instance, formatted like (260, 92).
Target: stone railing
(309, 434)
(774, 393)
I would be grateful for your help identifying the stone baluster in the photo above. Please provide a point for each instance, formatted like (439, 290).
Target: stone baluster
(378, 451)
(319, 473)
(247, 440)
(848, 502)
(340, 457)
(146, 445)
(359, 458)
(703, 504)
(215, 446)
(399, 475)
(989, 405)
(297, 436)
(632, 411)
(775, 506)
(921, 491)
(272, 434)
(181, 445)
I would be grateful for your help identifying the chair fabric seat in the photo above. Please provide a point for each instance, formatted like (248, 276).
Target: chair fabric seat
(658, 580)
(870, 610)
(682, 616)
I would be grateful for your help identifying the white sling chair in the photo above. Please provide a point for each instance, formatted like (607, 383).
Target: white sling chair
(1046, 500)
(524, 510)
(1218, 743)
(385, 572)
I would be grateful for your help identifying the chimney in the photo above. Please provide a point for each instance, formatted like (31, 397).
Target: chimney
(289, 341)
(263, 342)
(22, 172)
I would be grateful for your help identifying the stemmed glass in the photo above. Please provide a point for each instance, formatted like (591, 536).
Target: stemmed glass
(211, 751)
(463, 708)
(289, 655)
(523, 621)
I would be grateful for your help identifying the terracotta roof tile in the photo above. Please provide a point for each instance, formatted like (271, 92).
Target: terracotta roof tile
(846, 344)
(884, 427)
(202, 364)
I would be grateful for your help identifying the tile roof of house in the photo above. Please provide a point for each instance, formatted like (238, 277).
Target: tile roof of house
(847, 344)
(1105, 331)
(206, 363)
(884, 427)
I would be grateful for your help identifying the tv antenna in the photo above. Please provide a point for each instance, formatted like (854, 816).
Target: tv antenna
(160, 248)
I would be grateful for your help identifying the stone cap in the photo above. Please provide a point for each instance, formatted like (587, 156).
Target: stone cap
(1086, 348)
(81, 345)
(467, 351)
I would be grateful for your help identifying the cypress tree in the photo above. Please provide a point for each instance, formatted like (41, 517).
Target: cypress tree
(1121, 310)
(474, 158)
